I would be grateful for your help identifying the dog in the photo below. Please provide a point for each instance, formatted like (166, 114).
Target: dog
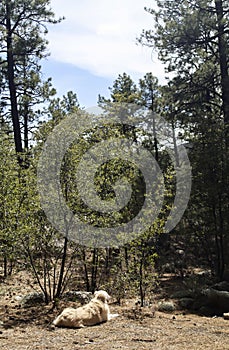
(95, 312)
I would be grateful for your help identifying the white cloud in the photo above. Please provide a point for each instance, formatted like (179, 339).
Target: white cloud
(100, 36)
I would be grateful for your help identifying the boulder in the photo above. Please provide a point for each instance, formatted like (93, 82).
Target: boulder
(81, 297)
(166, 306)
(32, 299)
(223, 286)
(217, 300)
(182, 294)
(186, 303)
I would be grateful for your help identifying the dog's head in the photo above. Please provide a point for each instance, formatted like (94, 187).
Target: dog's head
(102, 295)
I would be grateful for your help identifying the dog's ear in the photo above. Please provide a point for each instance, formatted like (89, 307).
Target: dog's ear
(108, 297)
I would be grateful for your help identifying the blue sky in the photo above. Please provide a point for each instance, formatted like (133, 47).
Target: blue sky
(95, 43)
(67, 76)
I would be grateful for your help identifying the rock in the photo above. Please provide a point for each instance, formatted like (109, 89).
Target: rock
(223, 286)
(205, 273)
(18, 298)
(32, 299)
(166, 306)
(216, 300)
(186, 303)
(82, 297)
(182, 294)
(168, 268)
(206, 311)
(226, 316)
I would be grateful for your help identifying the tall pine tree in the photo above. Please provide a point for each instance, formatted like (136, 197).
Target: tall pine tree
(23, 25)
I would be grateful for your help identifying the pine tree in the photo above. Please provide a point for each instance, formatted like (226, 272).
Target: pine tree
(23, 25)
(192, 39)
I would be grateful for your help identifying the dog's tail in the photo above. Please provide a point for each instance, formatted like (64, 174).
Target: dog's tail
(113, 316)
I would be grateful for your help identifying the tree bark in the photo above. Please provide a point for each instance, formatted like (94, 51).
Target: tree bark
(11, 82)
(223, 59)
(62, 267)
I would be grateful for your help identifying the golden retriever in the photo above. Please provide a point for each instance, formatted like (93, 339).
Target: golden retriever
(95, 312)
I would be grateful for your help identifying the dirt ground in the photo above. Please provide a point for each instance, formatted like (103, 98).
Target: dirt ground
(135, 328)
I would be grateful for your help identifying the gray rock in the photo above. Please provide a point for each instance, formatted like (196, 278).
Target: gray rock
(32, 299)
(166, 306)
(186, 303)
(182, 294)
(217, 300)
(82, 297)
(206, 311)
(18, 298)
(223, 286)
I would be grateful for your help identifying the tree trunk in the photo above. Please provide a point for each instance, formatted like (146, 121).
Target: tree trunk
(141, 289)
(155, 140)
(5, 266)
(11, 82)
(223, 58)
(61, 276)
(26, 127)
(86, 270)
(94, 270)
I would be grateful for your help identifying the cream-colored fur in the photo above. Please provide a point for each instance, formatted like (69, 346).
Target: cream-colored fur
(96, 311)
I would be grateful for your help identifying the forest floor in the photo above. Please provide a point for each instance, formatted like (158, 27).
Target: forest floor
(135, 328)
